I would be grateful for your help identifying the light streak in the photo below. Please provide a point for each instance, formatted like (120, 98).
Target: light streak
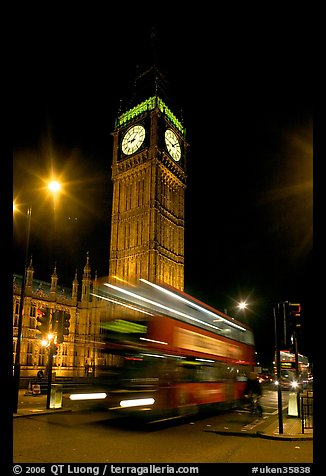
(122, 304)
(170, 293)
(162, 306)
(152, 340)
(137, 402)
(88, 396)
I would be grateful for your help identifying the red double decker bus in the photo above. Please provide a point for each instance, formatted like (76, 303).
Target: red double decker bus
(169, 354)
(292, 377)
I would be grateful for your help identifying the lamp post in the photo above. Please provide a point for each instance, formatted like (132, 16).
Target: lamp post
(21, 313)
(50, 343)
(54, 187)
(277, 317)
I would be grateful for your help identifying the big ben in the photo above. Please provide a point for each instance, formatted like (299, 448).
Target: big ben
(149, 183)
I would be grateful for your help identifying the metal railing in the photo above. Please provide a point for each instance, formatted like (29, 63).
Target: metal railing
(307, 401)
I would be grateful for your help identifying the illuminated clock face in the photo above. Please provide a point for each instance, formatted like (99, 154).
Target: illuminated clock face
(172, 145)
(133, 139)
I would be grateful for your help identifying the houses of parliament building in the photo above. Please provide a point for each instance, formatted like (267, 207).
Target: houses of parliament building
(147, 237)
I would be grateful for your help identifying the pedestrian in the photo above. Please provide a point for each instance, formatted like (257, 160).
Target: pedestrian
(253, 386)
(40, 374)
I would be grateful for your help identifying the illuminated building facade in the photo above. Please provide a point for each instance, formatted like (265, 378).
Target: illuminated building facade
(77, 353)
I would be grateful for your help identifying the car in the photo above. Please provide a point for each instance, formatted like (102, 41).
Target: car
(265, 378)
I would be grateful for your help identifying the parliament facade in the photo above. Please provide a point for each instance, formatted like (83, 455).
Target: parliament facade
(77, 355)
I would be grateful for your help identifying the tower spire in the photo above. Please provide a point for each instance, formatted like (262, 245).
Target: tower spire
(149, 79)
(86, 281)
(153, 40)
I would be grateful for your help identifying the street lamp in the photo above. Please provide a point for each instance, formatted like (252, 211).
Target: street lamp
(242, 305)
(21, 313)
(50, 343)
(53, 187)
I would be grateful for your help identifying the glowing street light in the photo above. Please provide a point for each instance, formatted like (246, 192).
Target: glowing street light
(242, 305)
(47, 340)
(54, 186)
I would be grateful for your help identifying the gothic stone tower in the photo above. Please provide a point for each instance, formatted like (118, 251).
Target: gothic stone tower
(149, 182)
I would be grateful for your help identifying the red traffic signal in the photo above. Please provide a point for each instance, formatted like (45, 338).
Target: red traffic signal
(294, 309)
(295, 314)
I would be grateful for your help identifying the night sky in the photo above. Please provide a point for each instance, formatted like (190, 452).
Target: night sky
(243, 91)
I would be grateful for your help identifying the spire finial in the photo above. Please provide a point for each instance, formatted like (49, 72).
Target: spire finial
(153, 40)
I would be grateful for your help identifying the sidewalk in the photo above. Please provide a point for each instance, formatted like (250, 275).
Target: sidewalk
(292, 430)
(266, 428)
(29, 405)
(36, 404)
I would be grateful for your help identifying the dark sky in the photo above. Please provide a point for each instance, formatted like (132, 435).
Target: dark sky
(244, 89)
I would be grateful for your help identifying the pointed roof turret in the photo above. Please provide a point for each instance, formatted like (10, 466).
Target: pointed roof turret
(87, 268)
(75, 286)
(86, 281)
(30, 273)
(54, 280)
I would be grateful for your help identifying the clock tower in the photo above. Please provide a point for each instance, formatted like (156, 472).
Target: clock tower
(149, 183)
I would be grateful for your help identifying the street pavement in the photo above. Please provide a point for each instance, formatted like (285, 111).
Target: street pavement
(267, 427)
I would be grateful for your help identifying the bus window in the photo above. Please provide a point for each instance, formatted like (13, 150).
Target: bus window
(188, 372)
(208, 373)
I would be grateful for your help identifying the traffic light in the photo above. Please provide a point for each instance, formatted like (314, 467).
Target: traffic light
(54, 349)
(55, 320)
(62, 325)
(43, 320)
(294, 315)
(65, 323)
(59, 327)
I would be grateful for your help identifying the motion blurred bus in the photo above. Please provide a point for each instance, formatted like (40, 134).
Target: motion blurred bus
(168, 354)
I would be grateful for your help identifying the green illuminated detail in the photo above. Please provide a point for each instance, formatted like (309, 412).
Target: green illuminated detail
(119, 325)
(149, 105)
